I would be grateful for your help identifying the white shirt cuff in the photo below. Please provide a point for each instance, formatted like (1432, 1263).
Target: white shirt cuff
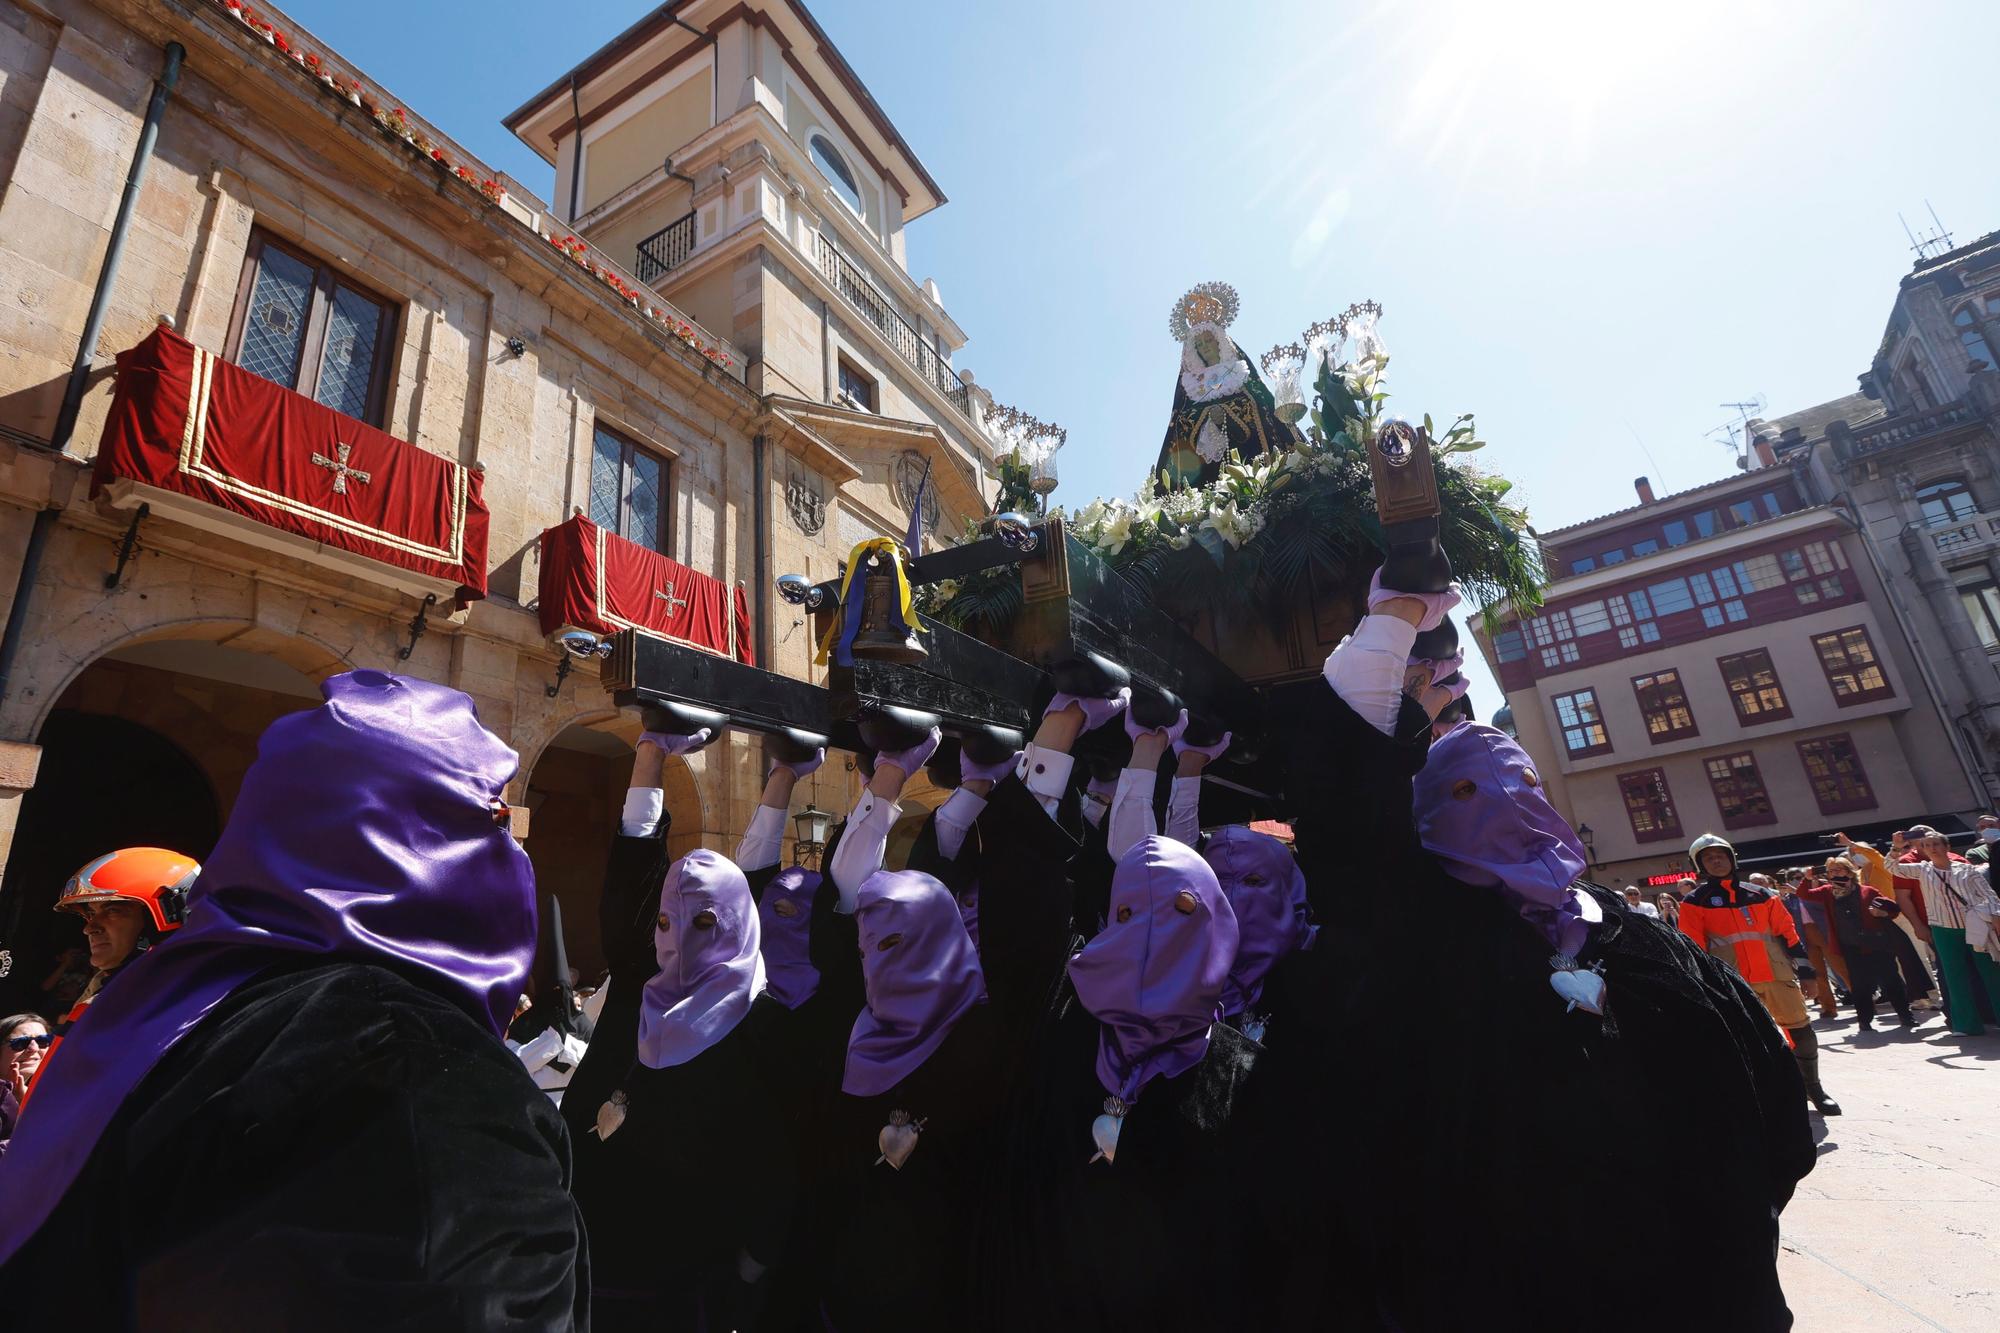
(1367, 668)
(1047, 774)
(955, 819)
(643, 808)
(1184, 811)
(1131, 811)
(862, 845)
(763, 840)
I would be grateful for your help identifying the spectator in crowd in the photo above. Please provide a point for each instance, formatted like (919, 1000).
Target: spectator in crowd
(1989, 833)
(1821, 950)
(1670, 908)
(1860, 917)
(1637, 902)
(24, 1039)
(1913, 943)
(1964, 918)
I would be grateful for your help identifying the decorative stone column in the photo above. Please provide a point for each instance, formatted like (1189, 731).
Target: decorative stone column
(19, 762)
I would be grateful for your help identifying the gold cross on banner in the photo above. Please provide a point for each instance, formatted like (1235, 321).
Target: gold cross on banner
(673, 603)
(338, 467)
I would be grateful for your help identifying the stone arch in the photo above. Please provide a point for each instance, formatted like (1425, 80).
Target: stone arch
(63, 660)
(574, 791)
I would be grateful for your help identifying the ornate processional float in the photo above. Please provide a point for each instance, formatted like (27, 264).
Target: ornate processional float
(1219, 586)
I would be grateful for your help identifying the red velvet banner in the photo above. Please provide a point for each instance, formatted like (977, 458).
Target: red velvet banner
(598, 581)
(185, 420)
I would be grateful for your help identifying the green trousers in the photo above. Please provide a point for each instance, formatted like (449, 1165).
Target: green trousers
(1962, 969)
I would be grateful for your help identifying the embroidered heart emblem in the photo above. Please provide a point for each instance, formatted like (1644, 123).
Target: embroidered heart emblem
(1104, 1130)
(1583, 990)
(610, 1116)
(897, 1140)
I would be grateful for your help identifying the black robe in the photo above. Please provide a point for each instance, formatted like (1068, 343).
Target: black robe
(896, 1249)
(705, 1164)
(1173, 1235)
(1477, 1141)
(334, 1146)
(617, 1202)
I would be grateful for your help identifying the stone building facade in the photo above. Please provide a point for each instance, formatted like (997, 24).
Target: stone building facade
(1808, 645)
(1721, 660)
(724, 393)
(1914, 461)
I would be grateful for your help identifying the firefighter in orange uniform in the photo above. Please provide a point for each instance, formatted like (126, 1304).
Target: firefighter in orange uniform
(129, 900)
(1750, 929)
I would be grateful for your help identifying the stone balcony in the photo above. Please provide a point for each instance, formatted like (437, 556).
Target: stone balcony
(1903, 428)
(1965, 536)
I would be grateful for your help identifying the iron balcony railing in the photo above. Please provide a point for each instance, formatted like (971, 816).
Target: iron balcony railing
(665, 249)
(852, 283)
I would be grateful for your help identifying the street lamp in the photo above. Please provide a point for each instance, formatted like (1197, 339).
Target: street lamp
(813, 823)
(1588, 838)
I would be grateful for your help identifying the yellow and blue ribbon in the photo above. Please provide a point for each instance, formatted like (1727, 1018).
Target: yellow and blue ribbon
(839, 637)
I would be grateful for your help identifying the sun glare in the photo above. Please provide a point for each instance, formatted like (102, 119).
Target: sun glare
(1531, 80)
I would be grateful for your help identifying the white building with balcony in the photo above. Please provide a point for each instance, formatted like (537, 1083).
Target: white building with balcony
(728, 155)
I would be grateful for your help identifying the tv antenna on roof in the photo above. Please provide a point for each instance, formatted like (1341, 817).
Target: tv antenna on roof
(1930, 246)
(1736, 434)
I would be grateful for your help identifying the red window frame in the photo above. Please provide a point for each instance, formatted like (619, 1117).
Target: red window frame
(1663, 702)
(1839, 782)
(1649, 805)
(1741, 670)
(1740, 784)
(1596, 719)
(1836, 650)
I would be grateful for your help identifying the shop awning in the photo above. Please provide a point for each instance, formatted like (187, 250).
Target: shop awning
(214, 445)
(595, 580)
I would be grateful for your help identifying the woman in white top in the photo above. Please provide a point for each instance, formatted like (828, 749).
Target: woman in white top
(1963, 913)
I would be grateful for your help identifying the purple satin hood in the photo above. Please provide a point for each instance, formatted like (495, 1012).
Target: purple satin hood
(1502, 830)
(708, 974)
(921, 973)
(1267, 891)
(364, 831)
(1153, 976)
(785, 917)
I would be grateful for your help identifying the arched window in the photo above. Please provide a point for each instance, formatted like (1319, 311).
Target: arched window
(1946, 502)
(834, 167)
(1978, 352)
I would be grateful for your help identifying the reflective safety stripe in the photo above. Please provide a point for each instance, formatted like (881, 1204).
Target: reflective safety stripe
(1741, 937)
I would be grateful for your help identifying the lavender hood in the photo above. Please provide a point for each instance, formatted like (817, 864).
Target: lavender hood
(365, 830)
(706, 940)
(1480, 809)
(1153, 977)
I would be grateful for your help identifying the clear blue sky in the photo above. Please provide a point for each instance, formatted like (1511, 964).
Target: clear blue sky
(1591, 223)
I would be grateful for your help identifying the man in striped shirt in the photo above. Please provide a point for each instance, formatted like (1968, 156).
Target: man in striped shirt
(1958, 898)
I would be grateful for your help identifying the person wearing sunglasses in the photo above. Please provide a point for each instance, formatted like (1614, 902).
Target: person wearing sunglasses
(24, 1040)
(1864, 923)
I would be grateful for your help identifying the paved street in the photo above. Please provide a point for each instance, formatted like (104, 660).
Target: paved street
(1898, 1227)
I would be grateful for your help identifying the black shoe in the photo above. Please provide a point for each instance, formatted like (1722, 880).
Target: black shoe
(1907, 1019)
(1822, 1103)
(1864, 1027)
